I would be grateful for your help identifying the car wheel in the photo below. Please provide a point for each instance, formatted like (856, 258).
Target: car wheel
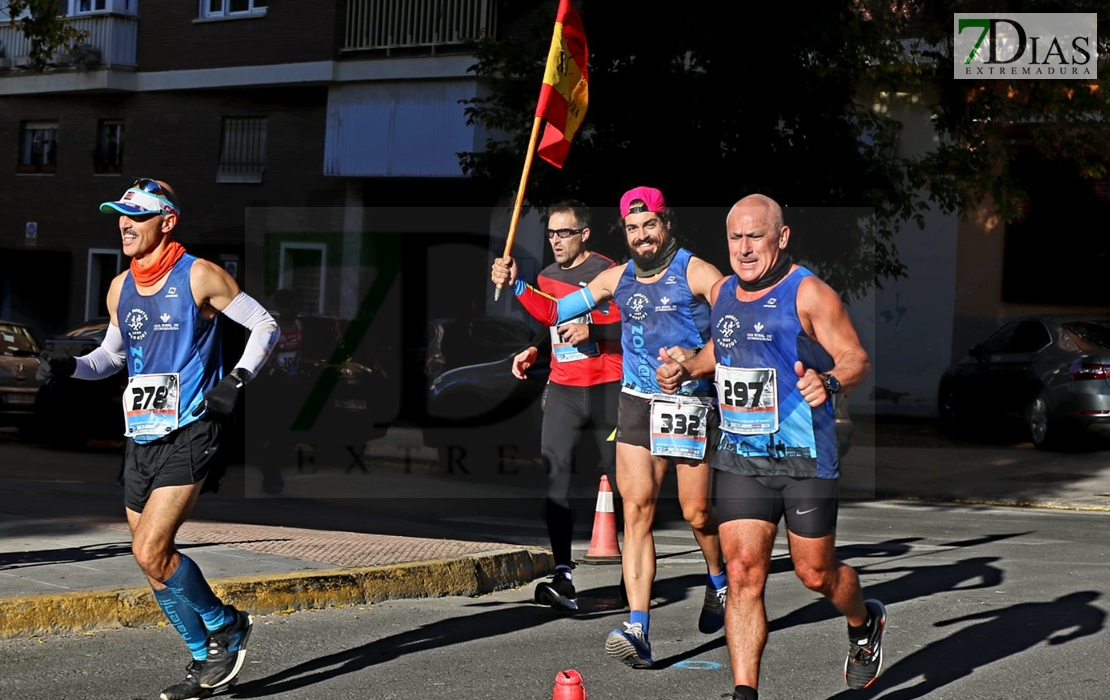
(1037, 422)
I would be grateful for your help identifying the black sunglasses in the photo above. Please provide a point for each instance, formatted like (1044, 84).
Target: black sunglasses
(564, 232)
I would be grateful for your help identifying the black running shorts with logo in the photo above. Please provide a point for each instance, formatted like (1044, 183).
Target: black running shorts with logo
(181, 458)
(810, 505)
(634, 424)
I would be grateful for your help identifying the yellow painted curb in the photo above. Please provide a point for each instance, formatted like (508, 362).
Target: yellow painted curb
(135, 607)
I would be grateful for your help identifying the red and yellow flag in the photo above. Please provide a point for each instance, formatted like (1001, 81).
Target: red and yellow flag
(564, 93)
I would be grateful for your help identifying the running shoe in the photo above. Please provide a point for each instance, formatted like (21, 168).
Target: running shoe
(227, 648)
(558, 592)
(630, 646)
(189, 688)
(865, 658)
(712, 618)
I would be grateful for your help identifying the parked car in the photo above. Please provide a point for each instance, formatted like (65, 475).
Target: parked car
(483, 412)
(476, 411)
(18, 385)
(452, 343)
(1048, 374)
(70, 412)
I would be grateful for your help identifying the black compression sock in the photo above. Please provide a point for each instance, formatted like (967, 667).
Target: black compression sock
(560, 529)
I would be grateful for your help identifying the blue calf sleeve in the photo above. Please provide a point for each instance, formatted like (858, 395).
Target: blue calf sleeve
(186, 621)
(189, 585)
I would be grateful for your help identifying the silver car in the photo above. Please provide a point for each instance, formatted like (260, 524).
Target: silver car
(1048, 374)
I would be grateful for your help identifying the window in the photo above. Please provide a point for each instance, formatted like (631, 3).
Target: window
(242, 150)
(1093, 333)
(225, 8)
(108, 157)
(103, 267)
(38, 151)
(999, 340)
(1018, 337)
(1030, 336)
(84, 7)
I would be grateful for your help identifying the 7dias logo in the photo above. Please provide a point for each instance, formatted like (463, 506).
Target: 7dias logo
(1025, 46)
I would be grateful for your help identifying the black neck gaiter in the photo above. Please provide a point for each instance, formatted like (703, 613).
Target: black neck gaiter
(773, 276)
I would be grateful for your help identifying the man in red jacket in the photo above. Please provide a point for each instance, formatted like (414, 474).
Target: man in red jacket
(583, 388)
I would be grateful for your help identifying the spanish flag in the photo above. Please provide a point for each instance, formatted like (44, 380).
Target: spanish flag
(564, 93)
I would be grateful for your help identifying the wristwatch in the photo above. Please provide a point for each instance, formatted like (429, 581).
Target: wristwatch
(832, 384)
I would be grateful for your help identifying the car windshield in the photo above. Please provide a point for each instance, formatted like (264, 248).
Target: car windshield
(17, 340)
(1093, 332)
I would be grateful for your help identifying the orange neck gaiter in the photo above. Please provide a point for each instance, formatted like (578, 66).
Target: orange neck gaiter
(149, 276)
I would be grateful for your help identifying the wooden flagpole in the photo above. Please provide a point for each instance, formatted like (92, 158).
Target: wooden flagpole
(520, 195)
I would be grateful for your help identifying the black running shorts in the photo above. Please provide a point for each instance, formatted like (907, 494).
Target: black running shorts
(810, 505)
(182, 458)
(634, 424)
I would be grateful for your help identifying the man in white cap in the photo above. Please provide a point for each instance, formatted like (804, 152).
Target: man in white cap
(167, 315)
(663, 294)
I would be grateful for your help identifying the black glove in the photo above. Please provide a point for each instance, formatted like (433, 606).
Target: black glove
(55, 365)
(220, 401)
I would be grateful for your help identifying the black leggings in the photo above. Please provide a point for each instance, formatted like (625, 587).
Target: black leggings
(568, 411)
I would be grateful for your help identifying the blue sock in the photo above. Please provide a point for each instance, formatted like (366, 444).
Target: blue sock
(640, 617)
(186, 621)
(718, 581)
(189, 585)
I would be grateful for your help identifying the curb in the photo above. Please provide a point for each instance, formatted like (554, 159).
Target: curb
(963, 500)
(471, 575)
(1042, 505)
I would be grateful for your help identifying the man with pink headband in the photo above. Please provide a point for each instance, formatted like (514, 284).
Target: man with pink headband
(167, 315)
(663, 293)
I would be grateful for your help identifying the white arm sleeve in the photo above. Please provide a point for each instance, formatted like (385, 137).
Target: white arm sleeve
(106, 360)
(264, 331)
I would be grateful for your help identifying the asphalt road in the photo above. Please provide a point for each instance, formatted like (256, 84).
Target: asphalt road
(983, 602)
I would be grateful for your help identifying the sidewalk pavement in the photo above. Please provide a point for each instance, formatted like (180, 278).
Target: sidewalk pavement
(74, 572)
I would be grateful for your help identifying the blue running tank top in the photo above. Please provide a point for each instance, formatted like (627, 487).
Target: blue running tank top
(165, 334)
(661, 314)
(766, 333)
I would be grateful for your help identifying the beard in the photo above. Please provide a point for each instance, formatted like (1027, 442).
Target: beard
(644, 260)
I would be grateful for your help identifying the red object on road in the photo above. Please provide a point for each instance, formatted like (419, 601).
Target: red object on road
(568, 686)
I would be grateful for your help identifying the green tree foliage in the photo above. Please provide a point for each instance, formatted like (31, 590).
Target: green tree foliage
(45, 26)
(710, 101)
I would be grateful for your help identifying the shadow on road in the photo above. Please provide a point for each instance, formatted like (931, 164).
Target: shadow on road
(504, 619)
(999, 633)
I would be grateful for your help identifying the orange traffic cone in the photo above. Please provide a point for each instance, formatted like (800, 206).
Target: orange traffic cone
(568, 686)
(604, 548)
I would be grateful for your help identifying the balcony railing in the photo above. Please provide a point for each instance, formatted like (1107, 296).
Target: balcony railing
(115, 36)
(401, 24)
